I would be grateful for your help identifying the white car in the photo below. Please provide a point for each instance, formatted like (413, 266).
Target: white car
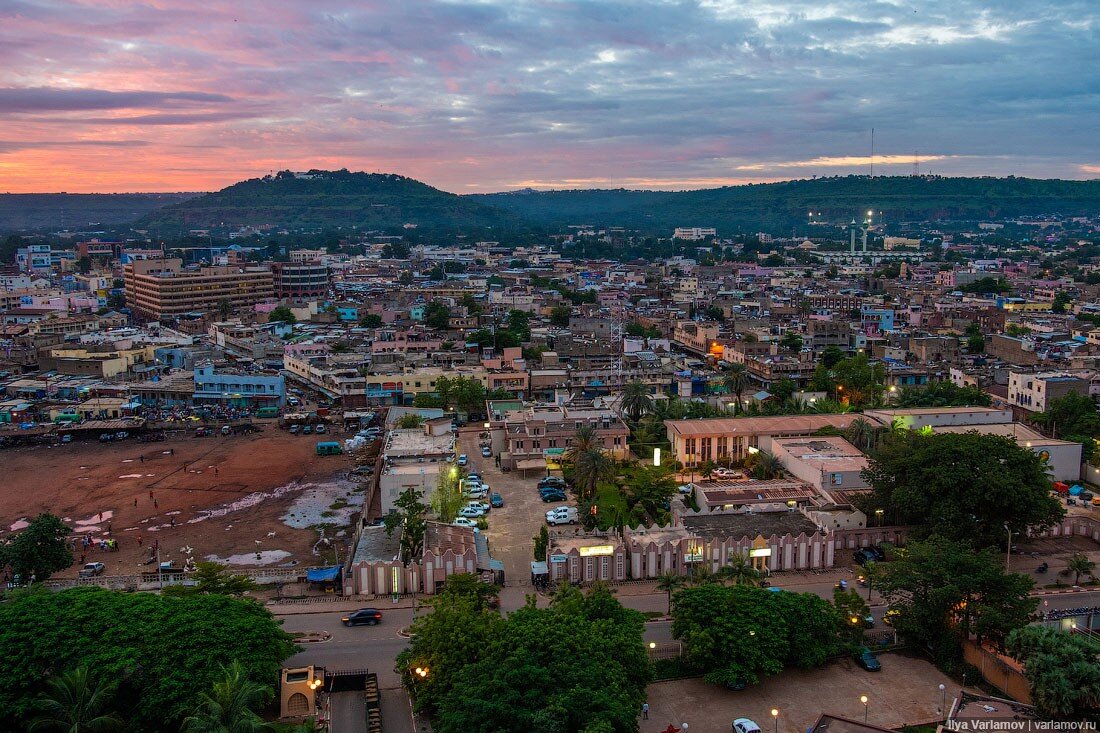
(464, 522)
(482, 505)
(477, 493)
(471, 512)
(724, 473)
(562, 515)
(744, 725)
(686, 489)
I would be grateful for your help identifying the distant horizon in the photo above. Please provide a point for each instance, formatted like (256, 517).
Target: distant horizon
(541, 189)
(485, 96)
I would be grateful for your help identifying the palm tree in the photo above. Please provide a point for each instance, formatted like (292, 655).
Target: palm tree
(862, 435)
(736, 379)
(584, 440)
(668, 582)
(635, 401)
(589, 469)
(230, 706)
(1079, 564)
(766, 466)
(740, 571)
(77, 704)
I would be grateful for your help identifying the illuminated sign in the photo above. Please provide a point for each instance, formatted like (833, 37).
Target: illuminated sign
(558, 559)
(761, 552)
(597, 550)
(694, 558)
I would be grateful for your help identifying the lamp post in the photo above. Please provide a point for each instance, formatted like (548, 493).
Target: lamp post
(775, 719)
(1008, 547)
(863, 699)
(879, 513)
(943, 697)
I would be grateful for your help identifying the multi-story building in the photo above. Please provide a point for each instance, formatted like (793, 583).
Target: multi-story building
(239, 390)
(531, 435)
(163, 289)
(1035, 392)
(300, 279)
(712, 439)
(694, 234)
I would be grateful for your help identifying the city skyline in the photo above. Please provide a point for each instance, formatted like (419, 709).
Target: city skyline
(488, 96)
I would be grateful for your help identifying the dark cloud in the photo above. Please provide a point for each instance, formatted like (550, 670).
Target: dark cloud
(45, 99)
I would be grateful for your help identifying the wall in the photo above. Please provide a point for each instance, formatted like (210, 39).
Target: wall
(999, 671)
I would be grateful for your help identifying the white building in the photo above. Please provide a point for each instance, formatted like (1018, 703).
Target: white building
(694, 234)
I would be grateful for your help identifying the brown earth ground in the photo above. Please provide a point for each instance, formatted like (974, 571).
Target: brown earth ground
(185, 475)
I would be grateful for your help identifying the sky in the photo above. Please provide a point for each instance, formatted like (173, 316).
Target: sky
(492, 95)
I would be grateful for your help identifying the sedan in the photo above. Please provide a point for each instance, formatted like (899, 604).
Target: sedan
(744, 725)
(865, 658)
(471, 512)
(486, 452)
(465, 522)
(496, 500)
(368, 616)
(463, 459)
(549, 496)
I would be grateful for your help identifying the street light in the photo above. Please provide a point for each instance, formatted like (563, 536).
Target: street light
(863, 699)
(652, 645)
(943, 697)
(775, 717)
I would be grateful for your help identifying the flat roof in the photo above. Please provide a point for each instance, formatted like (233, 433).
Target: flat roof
(415, 442)
(1019, 431)
(935, 410)
(741, 525)
(755, 492)
(828, 452)
(762, 425)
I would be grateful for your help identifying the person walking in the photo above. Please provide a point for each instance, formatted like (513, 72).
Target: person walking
(645, 711)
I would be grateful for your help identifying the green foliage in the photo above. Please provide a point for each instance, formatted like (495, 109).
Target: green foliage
(281, 313)
(736, 379)
(77, 703)
(741, 633)
(1079, 564)
(637, 330)
(945, 590)
(854, 379)
(541, 543)
(410, 420)
(462, 393)
(408, 516)
(213, 577)
(559, 316)
(851, 609)
(636, 400)
(964, 486)
(231, 704)
(370, 320)
(791, 341)
(448, 497)
(578, 665)
(941, 394)
(38, 551)
(1062, 670)
(136, 639)
(519, 323)
(987, 285)
(437, 314)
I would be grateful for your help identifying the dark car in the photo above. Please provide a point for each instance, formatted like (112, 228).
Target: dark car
(863, 556)
(368, 616)
(496, 500)
(866, 659)
(552, 481)
(553, 495)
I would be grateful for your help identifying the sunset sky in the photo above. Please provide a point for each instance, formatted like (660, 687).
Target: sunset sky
(488, 95)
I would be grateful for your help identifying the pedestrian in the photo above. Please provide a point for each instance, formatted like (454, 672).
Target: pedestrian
(142, 457)
(645, 711)
(156, 504)
(100, 516)
(139, 540)
(135, 501)
(150, 493)
(108, 528)
(173, 521)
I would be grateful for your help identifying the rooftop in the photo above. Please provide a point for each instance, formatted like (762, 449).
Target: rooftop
(414, 442)
(376, 546)
(720, 493)
(739, 526)
(827, 452)
(760, 425)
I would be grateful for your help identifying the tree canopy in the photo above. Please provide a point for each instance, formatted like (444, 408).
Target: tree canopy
(134, 638)
(40, 550)
(1062, 670)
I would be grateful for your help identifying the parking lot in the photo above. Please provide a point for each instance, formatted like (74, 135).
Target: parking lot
(905, 692)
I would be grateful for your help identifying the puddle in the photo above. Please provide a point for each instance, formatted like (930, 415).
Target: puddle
(264, 557)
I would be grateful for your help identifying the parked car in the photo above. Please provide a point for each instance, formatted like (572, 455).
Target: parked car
(686, 489)
(226, 430)
(200, 432)
(465, 522)
(473, 476)
(744, 725)
(471, 512)
(496, 500)
(863, 556)
(725, 473)
(92, 569)
(486, 452)
(320, 429)
(865, 658)
(480, 492)
(550, 495)
(294, 429)
(562, 515)
(368, 616)
(482, 505)
(307, 430)
(552, 481)
(463, 459)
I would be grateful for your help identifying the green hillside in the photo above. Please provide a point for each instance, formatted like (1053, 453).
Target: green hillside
(329, 199)
(779, 205)
(78, 211)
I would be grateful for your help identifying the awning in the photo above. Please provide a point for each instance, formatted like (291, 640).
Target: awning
(539, 568)
(323, 575)
(531, 464)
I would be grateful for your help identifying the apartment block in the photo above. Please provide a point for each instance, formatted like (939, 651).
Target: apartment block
(162, 289)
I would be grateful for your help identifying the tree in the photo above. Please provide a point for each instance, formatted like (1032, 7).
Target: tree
(636, 400)
(965, 486)
(831, 355)
(735, 380)
(541, 543)
(231, 705)
(408, 515)
(945, 591)
(1072, 417)
(77, 703)
(739, 569)
(137, 643)
(670, 581)
(559, 316)
(38, 551)
(1062, 670)
(437, 315)
(1061, 300)
(448, 497)
(281, 313)
(637, 330)
(589, 462)
(225, 308)
(851, 610)
(1079, 564)
(942, 394)
(410, 421)
(370, 320)
(764, 466)
(791, 341)
(862, 435)
(463, 393)
(213, 577)
(405, 278)
(519, 323)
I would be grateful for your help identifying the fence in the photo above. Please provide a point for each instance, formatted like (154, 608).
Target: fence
(999, 671)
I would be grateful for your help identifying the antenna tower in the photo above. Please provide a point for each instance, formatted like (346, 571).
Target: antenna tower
(916, 165)
(872, 152)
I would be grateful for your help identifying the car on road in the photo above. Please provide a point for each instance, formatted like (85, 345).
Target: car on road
(562, 515)
(549, 495)
(865, 658)
(744, 725)
(465, 522)
(496, 500)
(463, 459)
(92, 569)
(486, 452)
(367, 616)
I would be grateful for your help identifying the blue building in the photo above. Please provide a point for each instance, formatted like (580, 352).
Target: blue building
(876, 320)
(238, 390)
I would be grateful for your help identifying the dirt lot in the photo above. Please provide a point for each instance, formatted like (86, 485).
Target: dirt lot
(215, 495)
(905, 692)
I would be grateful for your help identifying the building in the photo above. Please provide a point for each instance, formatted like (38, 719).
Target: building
(694, 234)
(825, 462)
(239, 390)
(412, 458)
(713, 439)
(1035, 392)
(163, 289)
(300, 279)
(530, 436)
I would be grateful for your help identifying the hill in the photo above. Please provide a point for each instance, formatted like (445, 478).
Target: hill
(774, 206)
(329, 199)
(77, 211)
